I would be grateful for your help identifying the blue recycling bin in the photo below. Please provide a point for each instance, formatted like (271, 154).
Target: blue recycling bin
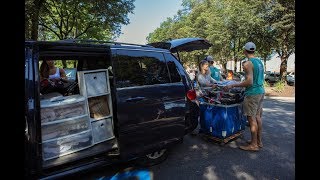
(221, 121)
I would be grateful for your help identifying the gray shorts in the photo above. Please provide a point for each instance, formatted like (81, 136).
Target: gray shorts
(252, 104)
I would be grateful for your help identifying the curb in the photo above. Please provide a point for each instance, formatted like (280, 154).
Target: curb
(279, 97)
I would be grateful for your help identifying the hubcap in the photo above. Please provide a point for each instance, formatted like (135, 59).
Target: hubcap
(156, 154)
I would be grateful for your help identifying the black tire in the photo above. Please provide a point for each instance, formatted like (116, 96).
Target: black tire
(154, 158)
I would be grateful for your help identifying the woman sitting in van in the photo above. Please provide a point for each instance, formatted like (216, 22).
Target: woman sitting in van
(204, 76)
(51, 77)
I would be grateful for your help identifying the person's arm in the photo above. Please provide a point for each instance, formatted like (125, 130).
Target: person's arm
(248, 69)
(221, 78)
(201, 80)
(212, 80)
(63, 75)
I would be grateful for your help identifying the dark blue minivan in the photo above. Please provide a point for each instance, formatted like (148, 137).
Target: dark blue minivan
(121, 102)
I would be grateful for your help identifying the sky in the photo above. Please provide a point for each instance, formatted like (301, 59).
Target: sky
(148, 15)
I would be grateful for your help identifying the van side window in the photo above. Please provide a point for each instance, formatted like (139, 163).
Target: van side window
(96, 62)
(174, 74)
(138, 68)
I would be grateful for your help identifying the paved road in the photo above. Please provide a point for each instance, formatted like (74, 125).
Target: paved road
(196, 158)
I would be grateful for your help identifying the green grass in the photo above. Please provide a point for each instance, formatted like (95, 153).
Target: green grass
(266, 84)
(279, 86)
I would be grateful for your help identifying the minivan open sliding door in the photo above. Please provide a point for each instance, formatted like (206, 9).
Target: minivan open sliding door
(61, 136)
(32, 134)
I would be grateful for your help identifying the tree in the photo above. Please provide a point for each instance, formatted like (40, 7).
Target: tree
(32, 10)
(229, 24)
(282, 18)
(83, 19)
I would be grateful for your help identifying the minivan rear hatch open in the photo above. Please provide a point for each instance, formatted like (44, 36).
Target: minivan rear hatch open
(183, 45)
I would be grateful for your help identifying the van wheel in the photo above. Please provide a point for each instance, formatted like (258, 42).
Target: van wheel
(154, 158)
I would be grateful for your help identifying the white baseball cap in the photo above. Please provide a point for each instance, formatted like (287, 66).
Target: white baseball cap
(250, 46)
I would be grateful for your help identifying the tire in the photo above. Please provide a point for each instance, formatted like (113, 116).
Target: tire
(154, 158)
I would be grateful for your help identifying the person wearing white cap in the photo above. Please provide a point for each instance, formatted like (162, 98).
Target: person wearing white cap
(254, 95)
(215, 72)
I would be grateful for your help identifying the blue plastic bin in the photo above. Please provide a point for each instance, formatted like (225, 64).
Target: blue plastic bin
(221, 121)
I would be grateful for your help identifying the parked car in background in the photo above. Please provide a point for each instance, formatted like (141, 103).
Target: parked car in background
(272, 77)
(265, 73)
(290, 78)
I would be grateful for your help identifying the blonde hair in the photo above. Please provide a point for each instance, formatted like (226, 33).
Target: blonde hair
(201, 64)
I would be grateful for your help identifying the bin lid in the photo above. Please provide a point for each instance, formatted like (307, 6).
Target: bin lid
(61, 100)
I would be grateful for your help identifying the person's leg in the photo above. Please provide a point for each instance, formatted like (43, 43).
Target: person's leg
(259, 122)
(254, 130)
(250, 106)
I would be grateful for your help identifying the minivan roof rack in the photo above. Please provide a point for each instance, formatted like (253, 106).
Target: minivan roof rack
(102, 42)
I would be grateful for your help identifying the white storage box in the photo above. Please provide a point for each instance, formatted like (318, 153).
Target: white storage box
(96, 83)
(65, 127)
(66, 145)
(102, 130)
(62, 108)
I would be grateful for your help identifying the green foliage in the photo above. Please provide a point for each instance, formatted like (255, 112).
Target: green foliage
(81, 19)
(279, 86)
(228, 25)
(266, 84)
(59, 64)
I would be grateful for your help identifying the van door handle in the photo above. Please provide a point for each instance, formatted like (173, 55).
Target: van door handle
(135, 99)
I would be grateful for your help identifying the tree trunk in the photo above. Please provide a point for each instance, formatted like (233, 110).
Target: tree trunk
(37, 4)
(265, 62)
(283, 67)
(64, 63)
(234, 58)
(35, 24)
(235, 64)
(224, 64)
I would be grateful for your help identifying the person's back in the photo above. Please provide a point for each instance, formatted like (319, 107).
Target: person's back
(215, 72)
(258, 79)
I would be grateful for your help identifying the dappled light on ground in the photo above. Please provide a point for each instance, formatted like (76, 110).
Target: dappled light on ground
(209, 173)
(197, 158)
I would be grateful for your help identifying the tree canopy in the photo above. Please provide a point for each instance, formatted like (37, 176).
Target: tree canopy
(82, 19)
(229, 24)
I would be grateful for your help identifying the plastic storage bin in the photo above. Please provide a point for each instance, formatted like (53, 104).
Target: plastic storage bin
(66, 145)
(62, 108)
(221, 121)
(65, 127)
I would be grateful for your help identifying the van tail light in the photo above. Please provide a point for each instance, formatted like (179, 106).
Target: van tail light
(191, 94)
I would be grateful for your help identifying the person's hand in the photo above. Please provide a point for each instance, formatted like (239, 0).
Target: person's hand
(214, 86)
(227, 87)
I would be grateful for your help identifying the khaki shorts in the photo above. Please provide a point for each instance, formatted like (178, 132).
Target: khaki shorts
(252, 104)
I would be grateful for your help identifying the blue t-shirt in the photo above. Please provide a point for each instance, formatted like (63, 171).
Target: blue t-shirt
(215, 73)
(258, 79)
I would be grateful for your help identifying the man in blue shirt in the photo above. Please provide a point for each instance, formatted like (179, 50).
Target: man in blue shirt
(254, 95)
(215, 72)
